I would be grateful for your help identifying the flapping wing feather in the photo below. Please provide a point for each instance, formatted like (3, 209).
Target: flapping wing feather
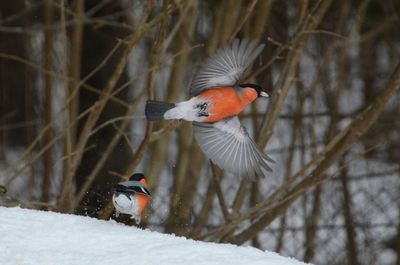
(226, 66)
(228, 145)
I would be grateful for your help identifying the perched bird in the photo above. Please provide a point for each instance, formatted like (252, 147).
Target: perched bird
(217, 98)
(131, 197)
(6, 200)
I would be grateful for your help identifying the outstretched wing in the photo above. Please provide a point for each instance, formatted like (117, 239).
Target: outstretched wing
(226, 66)
(228, 145)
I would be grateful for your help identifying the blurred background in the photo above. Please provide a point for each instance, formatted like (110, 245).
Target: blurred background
(75, 75)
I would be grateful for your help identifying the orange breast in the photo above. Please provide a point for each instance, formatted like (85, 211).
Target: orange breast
(142, 200)
(226, 101)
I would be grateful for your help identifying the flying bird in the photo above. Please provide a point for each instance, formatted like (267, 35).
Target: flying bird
(131, 197)
(217, 97)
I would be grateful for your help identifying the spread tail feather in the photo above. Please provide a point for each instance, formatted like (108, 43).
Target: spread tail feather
(155, 110)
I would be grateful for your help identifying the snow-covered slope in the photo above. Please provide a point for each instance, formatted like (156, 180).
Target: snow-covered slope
(37, 237)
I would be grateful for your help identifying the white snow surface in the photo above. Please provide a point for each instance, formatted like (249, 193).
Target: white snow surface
(48, 238)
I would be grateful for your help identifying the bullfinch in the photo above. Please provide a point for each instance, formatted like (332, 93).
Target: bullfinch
(217, 98)
(131, 197)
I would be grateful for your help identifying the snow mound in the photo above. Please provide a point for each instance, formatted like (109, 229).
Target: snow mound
(30, 237)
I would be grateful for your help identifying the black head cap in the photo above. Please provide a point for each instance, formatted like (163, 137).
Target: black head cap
(137, 177)
(257, 88)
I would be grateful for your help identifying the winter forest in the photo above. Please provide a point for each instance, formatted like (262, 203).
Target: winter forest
(75, 76)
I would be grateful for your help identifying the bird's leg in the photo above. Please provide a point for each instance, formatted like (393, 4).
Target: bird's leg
(137, 218)
(203, 109)
(116, 213)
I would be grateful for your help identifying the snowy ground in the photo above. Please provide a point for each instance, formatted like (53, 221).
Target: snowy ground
(37, 237)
